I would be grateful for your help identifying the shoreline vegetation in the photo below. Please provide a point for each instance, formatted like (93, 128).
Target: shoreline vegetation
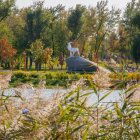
(71, 117)
(62, 79)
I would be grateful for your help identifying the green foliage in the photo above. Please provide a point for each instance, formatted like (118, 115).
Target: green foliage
(136, 38)
(52, 79)
(136, 48)
(61, 79)
(36, 22)
(6, 32)
(5, 8)
(74, 21)
(95, 30)
(37, 48)
(24, 77)
(136, 20)
(124, 79)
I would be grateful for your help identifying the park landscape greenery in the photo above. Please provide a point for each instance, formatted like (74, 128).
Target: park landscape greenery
(33, 45)
(36, 37)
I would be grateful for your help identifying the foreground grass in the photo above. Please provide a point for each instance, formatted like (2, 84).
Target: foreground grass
(69, 117)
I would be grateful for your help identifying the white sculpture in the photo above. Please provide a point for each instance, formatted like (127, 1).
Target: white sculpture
(72, 50)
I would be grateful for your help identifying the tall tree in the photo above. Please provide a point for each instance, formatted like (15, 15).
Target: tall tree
(7, 53)
(106, 21)
(75, 22)
(36, 21)
(36, 50)
(136, 49)
(55, 15)
(136, 39)
(5, 8)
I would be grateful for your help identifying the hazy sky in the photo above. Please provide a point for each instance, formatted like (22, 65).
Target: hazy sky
(71, 3)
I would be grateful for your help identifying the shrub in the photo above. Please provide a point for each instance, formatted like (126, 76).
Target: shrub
(135, 76)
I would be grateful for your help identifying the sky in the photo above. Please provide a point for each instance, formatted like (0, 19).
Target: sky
(121, 4)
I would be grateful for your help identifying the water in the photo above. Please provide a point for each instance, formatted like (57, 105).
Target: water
(28, 94)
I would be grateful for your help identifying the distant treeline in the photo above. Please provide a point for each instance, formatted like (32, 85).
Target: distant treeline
(38, 35)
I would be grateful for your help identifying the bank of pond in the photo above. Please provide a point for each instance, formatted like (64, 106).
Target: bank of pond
(49, 79)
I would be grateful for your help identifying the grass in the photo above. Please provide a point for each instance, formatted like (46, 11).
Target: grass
(69, 117)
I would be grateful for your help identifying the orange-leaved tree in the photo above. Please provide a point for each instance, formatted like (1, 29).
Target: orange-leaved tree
(7, 53)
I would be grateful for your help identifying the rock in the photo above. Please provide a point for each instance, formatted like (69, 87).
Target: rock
(79, 64)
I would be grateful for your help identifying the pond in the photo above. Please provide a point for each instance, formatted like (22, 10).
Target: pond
(45, 94)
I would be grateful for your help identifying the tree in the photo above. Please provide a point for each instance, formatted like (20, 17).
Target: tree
(5, 8)
(136, 49)
(47, 56)
(75, 22)
(55, 16)
(35, 23)
(17, 24)
(61, 37)
(36, 50)
(136, 20)
(6, 32)
(136, 39)
(105, 23)
(61, 60)
(98, 24)
(130, 20)
(7, 53)
(123, 41)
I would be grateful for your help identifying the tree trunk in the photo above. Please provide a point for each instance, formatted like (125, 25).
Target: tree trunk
(31, 63)
(40, 66)
(26, 63)
(36, 66)
(45, 66)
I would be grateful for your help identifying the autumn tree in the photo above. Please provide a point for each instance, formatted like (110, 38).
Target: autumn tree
(7, 53)
(47, 56)
(61, 60)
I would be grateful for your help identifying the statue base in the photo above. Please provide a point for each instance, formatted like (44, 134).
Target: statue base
(81, 65)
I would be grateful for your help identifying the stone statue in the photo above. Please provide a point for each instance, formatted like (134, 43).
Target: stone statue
(72, 50)
(77, 63)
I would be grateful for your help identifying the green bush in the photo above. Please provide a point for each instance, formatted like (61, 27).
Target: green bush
(20, 75)
(61, 79)
(24, 77)
(53, 78)
(34, 75)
